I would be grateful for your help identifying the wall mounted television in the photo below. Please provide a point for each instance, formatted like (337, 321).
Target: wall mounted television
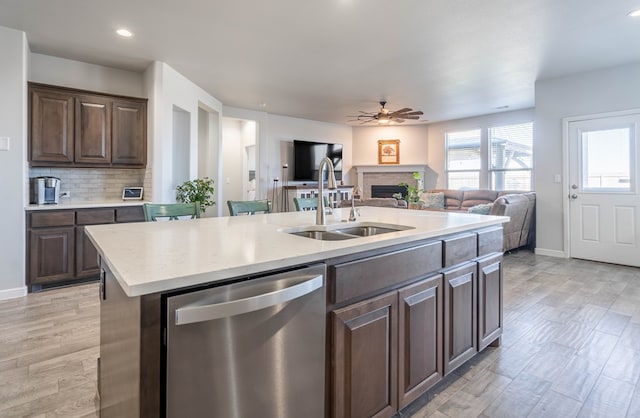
(307, 156)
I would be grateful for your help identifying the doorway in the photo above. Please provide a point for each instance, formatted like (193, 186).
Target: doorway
(239, 160)
(602, 192)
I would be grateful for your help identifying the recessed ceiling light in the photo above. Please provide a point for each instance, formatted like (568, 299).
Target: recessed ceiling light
(124, 33)
(634, 13)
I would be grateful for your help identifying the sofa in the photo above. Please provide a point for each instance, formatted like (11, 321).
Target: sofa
(519, 206)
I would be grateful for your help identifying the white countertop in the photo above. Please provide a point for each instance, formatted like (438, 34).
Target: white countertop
(85, 204)
(150, 257)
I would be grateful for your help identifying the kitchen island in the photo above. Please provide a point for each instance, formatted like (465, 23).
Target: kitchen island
(403, 308)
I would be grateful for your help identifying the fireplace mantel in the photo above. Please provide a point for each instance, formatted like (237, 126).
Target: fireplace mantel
(390, 168)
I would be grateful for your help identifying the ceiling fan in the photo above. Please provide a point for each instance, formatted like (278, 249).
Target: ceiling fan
(385, 116)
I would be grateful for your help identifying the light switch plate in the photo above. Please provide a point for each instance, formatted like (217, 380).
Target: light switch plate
(4, 143)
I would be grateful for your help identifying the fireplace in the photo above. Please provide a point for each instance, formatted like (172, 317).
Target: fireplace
(387, 190)
(387, 175)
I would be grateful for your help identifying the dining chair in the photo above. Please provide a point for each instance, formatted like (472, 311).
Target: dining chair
(248, 207)
(308, 203)
(171, 211)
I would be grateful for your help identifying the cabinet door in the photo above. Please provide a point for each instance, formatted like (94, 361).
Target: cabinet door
(52, 118)
(364, 359)
(86, 255)
(460, 316)
(489, 301)
(129, 132)
(50, 254)
(420, 338)
(93, 130)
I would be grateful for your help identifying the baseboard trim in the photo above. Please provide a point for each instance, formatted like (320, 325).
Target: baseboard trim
(18, 292)
(550, 253)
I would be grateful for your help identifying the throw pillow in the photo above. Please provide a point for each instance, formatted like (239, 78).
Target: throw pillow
(482, 209)
(432, 200)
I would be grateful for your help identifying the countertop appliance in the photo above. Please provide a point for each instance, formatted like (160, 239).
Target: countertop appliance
(44, 190)
(254, 348)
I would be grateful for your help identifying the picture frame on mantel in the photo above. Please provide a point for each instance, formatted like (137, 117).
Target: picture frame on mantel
(389, 151)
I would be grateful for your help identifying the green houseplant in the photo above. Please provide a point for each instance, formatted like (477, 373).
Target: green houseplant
(198, 190)
(413, 192)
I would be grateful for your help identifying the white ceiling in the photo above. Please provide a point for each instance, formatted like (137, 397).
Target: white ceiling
(326, 59)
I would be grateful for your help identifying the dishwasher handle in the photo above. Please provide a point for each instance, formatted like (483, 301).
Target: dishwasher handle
(192, 314)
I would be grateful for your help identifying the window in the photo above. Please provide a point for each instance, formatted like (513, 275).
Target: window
(510, 157)
(463, 159)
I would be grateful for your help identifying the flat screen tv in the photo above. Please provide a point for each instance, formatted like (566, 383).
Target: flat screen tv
(307, 156)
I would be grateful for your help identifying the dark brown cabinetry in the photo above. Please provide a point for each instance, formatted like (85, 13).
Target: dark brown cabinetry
(93, 130)
(440, 301)
(489, 301)
(129, 138)
(365, 359)
(460, 315)
(58, 250)
(77, 128)
(419, 338)
(52, 129)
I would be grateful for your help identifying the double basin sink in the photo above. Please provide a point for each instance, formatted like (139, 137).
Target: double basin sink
(342, 232)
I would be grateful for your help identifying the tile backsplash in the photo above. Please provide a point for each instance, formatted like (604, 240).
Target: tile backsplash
(95, 184)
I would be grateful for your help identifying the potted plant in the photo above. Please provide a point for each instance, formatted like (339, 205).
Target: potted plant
(198, 190)
(413, 192)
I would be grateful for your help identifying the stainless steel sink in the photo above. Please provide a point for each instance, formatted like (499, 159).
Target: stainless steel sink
(338, 233)
(323, 235)
(366, 231)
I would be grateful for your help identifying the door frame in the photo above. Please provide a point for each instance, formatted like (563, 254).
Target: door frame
(565, 167)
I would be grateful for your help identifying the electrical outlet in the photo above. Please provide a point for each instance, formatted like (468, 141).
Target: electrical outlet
(65, 193)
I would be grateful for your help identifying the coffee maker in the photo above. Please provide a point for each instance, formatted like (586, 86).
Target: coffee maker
(44, 190)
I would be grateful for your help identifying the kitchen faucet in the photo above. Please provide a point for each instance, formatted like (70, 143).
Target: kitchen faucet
(354, 213)
(331, 185)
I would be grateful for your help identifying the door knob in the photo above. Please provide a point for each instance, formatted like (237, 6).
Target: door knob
(574, 186)
(574, 196)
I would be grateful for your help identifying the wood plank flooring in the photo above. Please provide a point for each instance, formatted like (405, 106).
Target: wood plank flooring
(571, 348)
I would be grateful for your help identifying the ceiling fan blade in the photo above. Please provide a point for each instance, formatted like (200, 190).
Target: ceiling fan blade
(397, 120)
(412, 113)
(403, 110)
(412, 117)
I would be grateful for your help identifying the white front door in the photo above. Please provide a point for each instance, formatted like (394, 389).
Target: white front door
(604, 203)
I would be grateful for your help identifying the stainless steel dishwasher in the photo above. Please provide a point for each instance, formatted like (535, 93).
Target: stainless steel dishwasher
(255, 348)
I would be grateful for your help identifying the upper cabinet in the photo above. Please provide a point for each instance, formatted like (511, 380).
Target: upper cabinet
(76, 128)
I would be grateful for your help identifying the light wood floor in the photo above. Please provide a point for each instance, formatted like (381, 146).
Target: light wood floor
(571, 347)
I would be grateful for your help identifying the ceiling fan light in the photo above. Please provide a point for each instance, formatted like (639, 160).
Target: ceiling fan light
(383, 118)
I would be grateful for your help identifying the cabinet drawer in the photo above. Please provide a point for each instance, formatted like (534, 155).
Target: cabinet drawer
(459, 249)
(361, 277)
(52, 218)
(130, 214)
(95, 216)
(489, 241)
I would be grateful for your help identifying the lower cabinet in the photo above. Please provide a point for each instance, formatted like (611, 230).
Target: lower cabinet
(489, 301)
(387, 350)
(58, 250)
(419, 338)
(364, 358)
(86, 255)
(460, 315)
(51, 254)
(427, 310)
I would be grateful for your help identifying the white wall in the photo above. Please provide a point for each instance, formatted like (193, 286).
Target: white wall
(600, 91)
(167, 88)
(437, 178)
(13, 163)
(413, 143)
(81, 75)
